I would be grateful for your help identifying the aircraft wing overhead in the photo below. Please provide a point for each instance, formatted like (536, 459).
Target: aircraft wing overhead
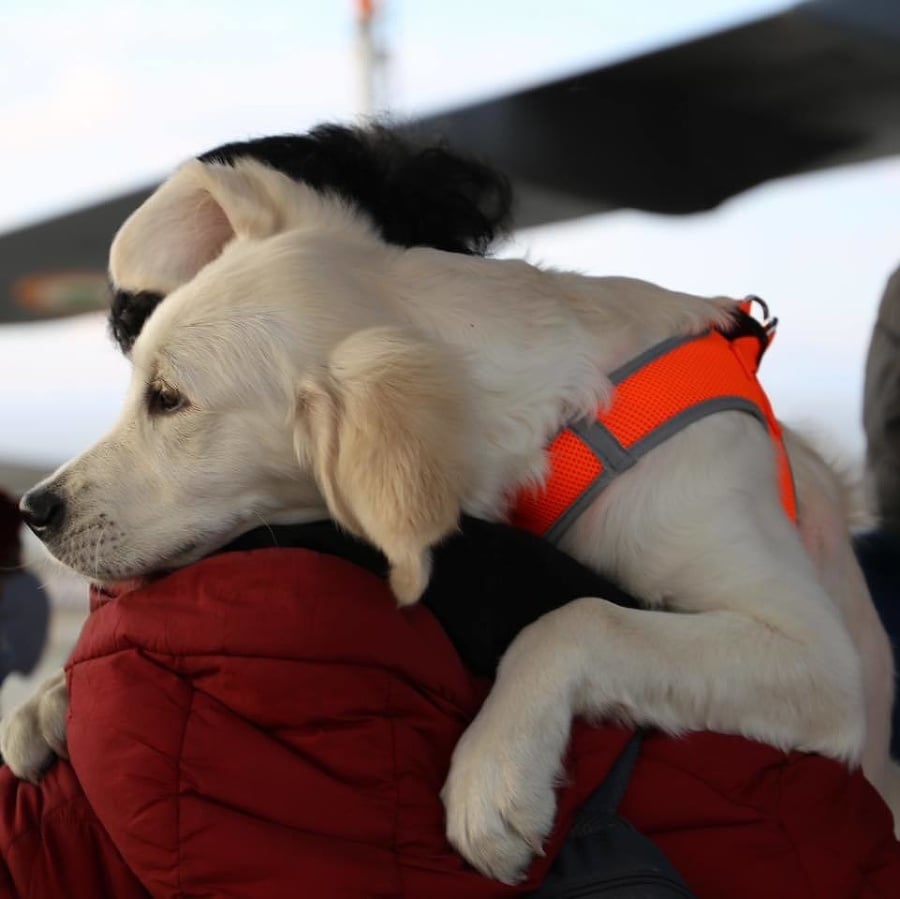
(58, 267)
(677, 130)
(681, 129)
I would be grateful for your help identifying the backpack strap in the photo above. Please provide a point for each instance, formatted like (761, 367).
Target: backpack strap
(604, 857)
(603, 804)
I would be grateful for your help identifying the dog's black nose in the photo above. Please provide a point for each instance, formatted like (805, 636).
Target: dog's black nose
(43, 510)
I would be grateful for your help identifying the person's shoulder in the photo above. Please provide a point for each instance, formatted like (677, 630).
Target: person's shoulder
(889, 310)
(293, 604)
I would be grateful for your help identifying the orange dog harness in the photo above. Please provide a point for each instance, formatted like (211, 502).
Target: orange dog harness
(657, 393)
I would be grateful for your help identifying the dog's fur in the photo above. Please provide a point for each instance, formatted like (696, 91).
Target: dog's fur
(314, 369)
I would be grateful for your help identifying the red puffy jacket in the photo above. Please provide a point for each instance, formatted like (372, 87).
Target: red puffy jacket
(267, 724)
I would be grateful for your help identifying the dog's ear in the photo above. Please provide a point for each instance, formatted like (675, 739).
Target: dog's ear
(187, 221)
(384, 429)
(184, 225)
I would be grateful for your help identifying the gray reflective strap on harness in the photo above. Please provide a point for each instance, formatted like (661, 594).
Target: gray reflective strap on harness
(614, 457)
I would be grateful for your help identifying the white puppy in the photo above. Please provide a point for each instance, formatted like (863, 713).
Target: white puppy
(300, 365)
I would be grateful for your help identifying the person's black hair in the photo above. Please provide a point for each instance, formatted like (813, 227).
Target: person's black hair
(415, 193)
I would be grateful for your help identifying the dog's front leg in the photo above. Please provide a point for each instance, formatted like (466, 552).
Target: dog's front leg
(499, 795)
(32, 734)
(705, 671)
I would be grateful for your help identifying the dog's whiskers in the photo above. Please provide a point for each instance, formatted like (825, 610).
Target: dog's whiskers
(268, 527)
(99, 545)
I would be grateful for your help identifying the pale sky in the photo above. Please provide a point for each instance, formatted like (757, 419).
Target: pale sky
(99, 96)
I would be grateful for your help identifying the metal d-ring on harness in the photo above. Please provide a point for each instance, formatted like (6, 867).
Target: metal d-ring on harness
(658, 393)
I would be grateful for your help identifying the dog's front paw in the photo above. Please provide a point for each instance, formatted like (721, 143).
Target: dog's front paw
(499, 795)
(34, 733)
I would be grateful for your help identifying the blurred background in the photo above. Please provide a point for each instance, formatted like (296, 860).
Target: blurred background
(713, 146)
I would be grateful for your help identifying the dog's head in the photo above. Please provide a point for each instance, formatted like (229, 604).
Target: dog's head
(272, 385)
(412, 194)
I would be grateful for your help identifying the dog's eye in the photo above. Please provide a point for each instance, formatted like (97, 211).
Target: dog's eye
(163, 399)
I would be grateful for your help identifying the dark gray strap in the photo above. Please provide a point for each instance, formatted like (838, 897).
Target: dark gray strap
(604, 802)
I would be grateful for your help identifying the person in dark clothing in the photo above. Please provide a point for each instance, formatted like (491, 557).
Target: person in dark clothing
(24, 607)
(878, 550)
(10, 524)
